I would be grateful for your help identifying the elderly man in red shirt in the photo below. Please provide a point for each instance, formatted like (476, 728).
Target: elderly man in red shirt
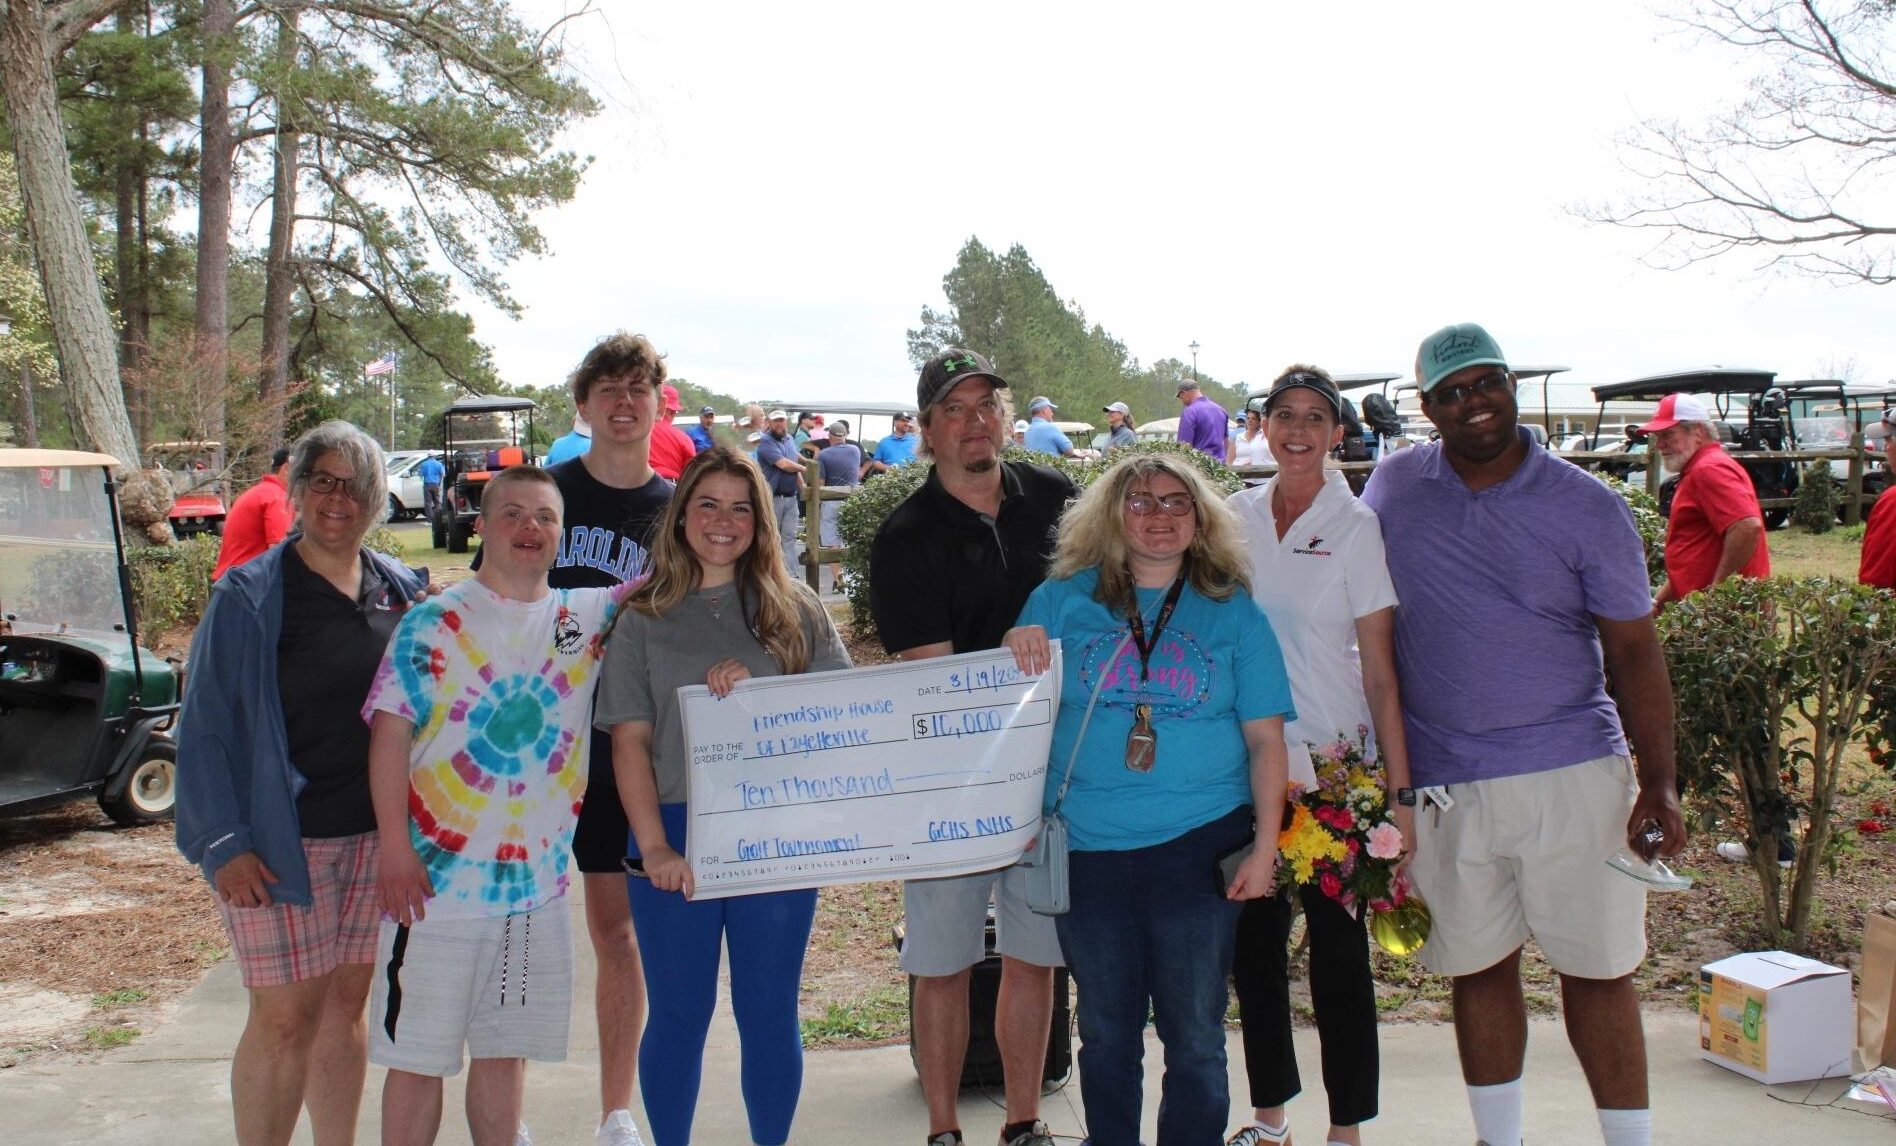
(257, 520)
(1878, 564)
(1715, 529)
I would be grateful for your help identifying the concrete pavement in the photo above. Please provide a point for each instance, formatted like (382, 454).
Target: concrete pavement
(172, 1086)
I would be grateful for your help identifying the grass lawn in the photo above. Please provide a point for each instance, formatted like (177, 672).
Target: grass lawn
(1795, 553)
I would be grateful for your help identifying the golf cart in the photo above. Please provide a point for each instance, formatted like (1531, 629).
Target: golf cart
(1759, 414)
(84, 710)
(192, 468)
(480, 436)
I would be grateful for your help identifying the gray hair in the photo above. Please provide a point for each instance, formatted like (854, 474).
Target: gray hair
(364, 455)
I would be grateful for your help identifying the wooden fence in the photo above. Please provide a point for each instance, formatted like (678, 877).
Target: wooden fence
(1854, 501)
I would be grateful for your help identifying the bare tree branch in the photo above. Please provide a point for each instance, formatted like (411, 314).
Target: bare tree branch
(1801, 173)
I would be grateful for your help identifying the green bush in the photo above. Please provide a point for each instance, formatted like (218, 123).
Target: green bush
(171, 584)
(382, 539)
(1817, 500)
(865, 510)
(1774, 681)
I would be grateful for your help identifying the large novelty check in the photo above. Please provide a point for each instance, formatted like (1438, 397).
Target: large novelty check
(912, 770)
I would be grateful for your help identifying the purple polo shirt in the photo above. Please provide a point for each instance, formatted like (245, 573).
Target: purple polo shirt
(1496, 647)
(1203, 424)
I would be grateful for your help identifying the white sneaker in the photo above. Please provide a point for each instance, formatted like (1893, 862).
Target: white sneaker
(618, 1130)
(1737, 852)
(521, 1137)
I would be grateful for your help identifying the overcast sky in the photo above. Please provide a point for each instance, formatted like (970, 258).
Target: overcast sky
(778, 189)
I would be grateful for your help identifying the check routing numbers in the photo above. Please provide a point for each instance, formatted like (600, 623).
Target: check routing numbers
(926, 768)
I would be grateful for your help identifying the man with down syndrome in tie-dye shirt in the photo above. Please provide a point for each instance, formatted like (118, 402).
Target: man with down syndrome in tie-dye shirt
(478, 749)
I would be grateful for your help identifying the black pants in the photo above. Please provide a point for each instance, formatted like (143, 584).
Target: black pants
(1341, 990)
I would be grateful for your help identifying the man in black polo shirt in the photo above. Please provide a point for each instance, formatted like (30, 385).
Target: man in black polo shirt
(948, 572)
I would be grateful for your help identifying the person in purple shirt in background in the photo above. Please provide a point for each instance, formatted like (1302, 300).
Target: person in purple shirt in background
(1202, 423)
(1521, 578)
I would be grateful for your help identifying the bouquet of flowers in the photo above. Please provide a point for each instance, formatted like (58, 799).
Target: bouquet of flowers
(1342, 839)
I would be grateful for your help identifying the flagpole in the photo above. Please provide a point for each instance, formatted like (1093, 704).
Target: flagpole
(391, 411)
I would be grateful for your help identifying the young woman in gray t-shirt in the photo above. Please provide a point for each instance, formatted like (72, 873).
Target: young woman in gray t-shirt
(719, 607)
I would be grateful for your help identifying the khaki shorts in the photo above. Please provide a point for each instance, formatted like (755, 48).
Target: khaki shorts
(946, 921)
(1526, 856)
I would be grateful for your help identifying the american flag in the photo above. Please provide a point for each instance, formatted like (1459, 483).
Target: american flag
(382, 365)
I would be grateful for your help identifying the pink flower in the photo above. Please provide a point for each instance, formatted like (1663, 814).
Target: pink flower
(1355, 845)
(1385, 842)
(1331, 885)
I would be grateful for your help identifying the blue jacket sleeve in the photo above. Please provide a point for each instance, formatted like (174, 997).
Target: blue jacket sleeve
(215, 735)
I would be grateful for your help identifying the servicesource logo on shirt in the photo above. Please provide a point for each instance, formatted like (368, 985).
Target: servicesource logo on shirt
(1310, 548)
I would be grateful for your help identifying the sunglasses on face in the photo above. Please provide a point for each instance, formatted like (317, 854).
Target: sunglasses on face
(1456, 395)
(1175, 504)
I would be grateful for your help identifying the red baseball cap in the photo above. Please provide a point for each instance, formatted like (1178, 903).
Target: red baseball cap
(1676, 408)
(671, 397)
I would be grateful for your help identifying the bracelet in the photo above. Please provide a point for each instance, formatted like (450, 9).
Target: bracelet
(1405, 797)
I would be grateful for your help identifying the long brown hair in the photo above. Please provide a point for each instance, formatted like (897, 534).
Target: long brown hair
(775, 604)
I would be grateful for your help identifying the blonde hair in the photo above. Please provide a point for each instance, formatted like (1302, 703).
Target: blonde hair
(1093, 534)
(774, 603)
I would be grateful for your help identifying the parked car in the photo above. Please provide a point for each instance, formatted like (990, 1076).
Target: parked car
(84, 709)
(405, 487)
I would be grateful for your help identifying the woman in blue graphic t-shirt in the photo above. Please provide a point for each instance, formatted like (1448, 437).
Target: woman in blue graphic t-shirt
(1149, 597)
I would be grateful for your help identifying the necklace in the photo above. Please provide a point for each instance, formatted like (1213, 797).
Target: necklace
(716, 601)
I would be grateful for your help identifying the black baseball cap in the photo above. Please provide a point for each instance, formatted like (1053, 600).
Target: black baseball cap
(947, 369)
(1301, 378)
(280, 457)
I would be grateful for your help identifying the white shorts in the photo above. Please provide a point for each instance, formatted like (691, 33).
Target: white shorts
(946, 923)
(450, 989)
(1526, 856)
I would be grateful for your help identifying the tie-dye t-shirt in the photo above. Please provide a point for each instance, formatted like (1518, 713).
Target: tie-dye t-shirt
(500, 694)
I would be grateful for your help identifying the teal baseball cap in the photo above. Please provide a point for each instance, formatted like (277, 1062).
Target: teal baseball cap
(1453, 348)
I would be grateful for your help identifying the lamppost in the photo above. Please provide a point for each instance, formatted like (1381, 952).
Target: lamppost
(1194, 349)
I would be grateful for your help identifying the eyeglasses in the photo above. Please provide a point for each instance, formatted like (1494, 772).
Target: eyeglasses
(322, 484)
(1456, 395)
(1175, 504)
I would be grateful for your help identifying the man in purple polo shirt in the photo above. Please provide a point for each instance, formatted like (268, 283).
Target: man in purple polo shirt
(1521, 577)
(1201, 421)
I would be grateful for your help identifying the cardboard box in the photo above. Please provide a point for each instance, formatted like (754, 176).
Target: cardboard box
(1776, 1017)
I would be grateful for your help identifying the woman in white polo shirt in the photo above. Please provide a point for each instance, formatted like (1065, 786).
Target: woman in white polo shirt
(1317, 569)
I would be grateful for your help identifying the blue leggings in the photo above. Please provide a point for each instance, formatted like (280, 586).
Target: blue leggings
(678, 943)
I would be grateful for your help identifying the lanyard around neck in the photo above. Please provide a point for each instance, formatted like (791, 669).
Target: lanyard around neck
(1137, 623)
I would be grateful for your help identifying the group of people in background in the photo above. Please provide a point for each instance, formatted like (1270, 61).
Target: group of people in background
(390, 787)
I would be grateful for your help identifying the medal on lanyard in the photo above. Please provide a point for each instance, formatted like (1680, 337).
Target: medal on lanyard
(1142, 743)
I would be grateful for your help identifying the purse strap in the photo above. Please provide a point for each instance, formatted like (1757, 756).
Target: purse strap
(1067, 781)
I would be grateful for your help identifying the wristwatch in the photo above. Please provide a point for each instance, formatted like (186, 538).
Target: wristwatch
(1405, 797)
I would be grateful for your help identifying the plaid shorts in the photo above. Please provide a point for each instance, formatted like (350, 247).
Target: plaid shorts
(289, 943)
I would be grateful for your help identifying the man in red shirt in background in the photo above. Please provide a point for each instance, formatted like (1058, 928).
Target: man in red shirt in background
(672, 448)
(1715, 529)
(1878, 565)
(259, 519)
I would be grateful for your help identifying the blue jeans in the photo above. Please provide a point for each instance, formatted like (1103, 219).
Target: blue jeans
(1150, 928)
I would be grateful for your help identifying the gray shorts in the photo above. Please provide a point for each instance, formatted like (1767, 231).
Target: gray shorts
(449, 989)
(946, 921)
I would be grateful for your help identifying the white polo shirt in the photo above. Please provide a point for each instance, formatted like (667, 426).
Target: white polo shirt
(1313, 585)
